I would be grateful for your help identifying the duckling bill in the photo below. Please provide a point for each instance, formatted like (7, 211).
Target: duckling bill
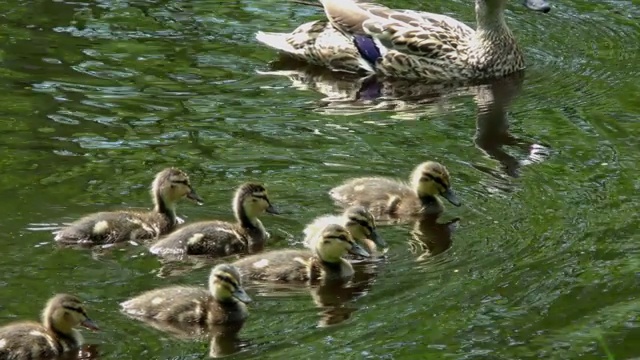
(169, 186)
(51, 338)
(219, 238)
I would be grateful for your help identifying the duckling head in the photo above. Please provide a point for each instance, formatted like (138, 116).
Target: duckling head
(335, 242)
(362, 225)
(225, 284)
(65, 312)
(171, 185)
(252, 200)
(431, 178)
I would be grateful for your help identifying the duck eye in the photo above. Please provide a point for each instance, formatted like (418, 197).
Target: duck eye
(364, 224)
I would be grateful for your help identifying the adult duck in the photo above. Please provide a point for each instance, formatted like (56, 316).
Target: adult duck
(359, 37)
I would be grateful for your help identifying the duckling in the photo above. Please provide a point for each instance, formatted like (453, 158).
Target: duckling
(390, 199)
(357, 220)
(57, 334)
(169, 186)
(222, 304)
(325, 262)
(219, 238)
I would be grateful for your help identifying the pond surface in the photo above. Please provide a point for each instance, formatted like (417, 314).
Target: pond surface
(544, 262)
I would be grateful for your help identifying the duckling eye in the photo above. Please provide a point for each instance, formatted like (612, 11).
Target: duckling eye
(183, 182)
(364, 224)
(436, 179)
(227, 280)
(76, 309)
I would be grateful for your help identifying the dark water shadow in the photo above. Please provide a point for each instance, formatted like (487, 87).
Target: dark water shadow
(334, 298)
(223, 340)
(430, 237)
(347, 94)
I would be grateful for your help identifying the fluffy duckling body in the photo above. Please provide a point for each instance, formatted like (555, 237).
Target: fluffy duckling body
(220, 238)
(356, 219)
(388, 198)
(56, 334)
(169, 186)
(325, 262)
(222, 304)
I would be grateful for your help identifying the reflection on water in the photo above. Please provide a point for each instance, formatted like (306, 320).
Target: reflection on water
(336, 298)
(351, 95)
(98, 95)
(223, 340)
(429, 237)
(86, 352)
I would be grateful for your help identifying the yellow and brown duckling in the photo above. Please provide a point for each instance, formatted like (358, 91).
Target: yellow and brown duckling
(357, 220)
(169, 186)
(219, 238)
(57, 334)
(324, 262)
(389, 198)
(222, 304)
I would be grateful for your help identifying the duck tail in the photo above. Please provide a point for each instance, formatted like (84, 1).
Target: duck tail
(277, 41)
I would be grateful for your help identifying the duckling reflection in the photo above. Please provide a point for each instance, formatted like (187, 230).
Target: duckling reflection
(430, 238)
(336, 298)
(224, 340)
(86, 352)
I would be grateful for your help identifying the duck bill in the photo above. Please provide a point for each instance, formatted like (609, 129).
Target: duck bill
(193, 196)
(377, 239)
(272, 210)
(359, 251)
(89, 324)
(538, 5)
(451, 197)
(241, 295)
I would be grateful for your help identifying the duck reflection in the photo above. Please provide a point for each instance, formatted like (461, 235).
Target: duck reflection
(492, 126)
(430, 237)
(349, 95)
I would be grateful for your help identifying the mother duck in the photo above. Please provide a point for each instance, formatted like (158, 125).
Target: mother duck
(359, 37)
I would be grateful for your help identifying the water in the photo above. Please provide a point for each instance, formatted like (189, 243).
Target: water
(98, 96)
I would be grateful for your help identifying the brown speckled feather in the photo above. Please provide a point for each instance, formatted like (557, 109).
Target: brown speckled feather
(385, 198)
(412, 44)
(184, 304)
(289, 265)
(30, 341)
(213, 238)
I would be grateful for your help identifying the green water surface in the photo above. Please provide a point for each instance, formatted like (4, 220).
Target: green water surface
(97, 96)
